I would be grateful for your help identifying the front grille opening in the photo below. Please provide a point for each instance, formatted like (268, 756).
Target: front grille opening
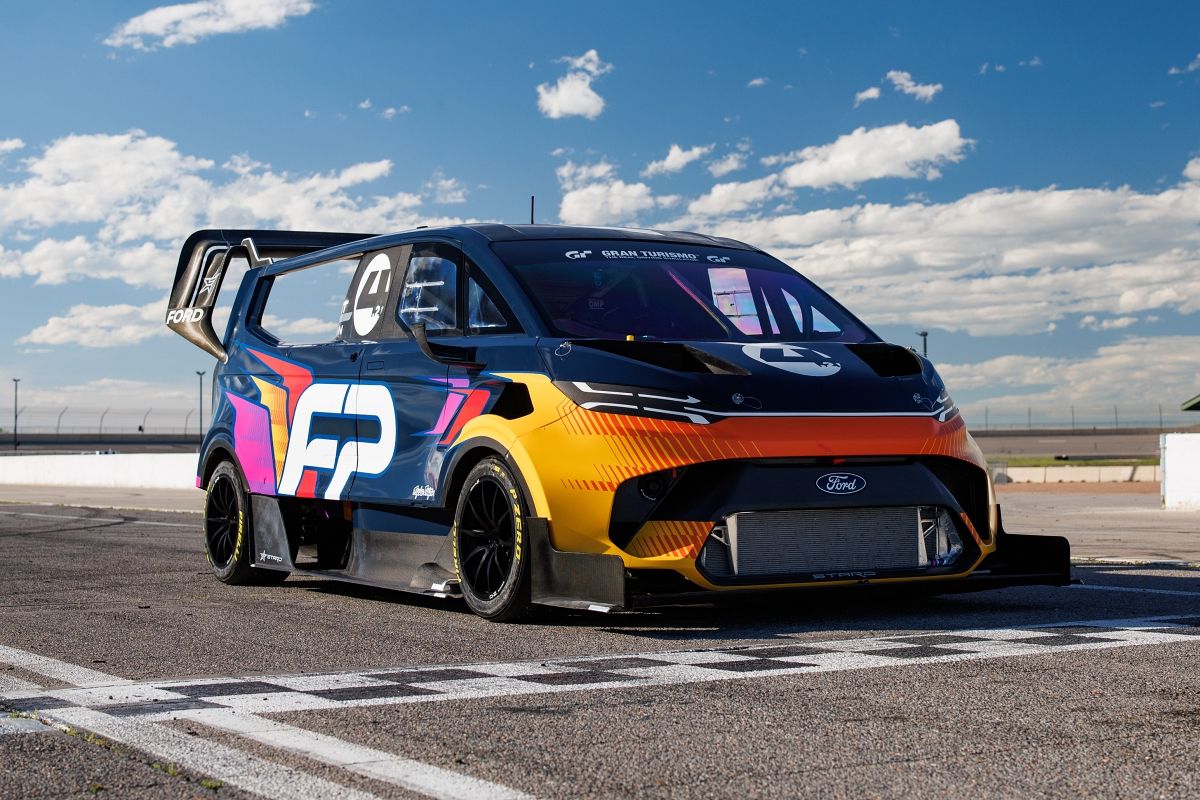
(830, 543)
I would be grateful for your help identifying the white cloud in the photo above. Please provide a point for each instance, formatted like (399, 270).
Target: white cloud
(1191, 66)
(188, 23)
(998, 68)
(757, 83)
(119, 394)
(573, 95)
(593, 195)
(390, 112)
(903, 82)
(730, 162)
(1138, 371)
(1036, 61)
(445, 190)
(589, 62)
(101, 326)
(983, 68)
(871, 93)
(891, 151)
(309, 113)
(1157, 104)
(137, 191)
(677, 158)
(996, 262)
(10, 145)
(1192, 170)
(732, 198)
(1092, 323)
(365, 105)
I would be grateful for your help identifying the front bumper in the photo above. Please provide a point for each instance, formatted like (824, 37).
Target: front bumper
(598, 582)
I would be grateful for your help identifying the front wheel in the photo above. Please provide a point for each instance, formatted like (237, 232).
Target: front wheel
(228, 534)
(490, 556)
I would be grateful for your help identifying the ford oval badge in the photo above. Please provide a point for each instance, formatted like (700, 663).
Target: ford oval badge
(841, 483)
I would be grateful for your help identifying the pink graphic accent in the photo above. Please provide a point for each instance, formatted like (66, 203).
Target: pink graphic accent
(453, 401)
(252, 443)
(476, 400)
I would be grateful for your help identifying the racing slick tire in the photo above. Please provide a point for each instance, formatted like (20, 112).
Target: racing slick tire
(229, 532)
(491, 555)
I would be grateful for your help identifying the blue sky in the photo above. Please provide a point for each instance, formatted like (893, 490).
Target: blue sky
(1021, 179)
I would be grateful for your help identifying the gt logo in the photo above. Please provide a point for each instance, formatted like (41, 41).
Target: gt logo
(356, 456)
(578, 253)
(719, 259)
(177, 315)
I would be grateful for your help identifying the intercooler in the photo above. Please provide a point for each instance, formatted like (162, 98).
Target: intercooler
(833, 540)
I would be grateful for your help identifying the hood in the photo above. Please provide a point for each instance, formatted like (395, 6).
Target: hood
(725, 379)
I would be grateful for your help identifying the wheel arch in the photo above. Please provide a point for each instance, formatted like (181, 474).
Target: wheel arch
(471, 452)
(217, 452)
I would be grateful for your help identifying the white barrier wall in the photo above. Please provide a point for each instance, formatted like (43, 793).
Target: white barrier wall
(1084, 474)
(1181, 471)
(124, 470)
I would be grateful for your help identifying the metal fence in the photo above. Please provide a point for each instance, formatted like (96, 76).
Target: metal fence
(1082, 417)
(96, 420)
(84, 420)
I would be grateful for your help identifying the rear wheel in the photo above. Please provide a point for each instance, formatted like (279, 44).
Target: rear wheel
(228, 533)
(490, 555)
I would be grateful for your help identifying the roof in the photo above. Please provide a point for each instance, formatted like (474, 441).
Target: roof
(1191, 405)
(513, 233)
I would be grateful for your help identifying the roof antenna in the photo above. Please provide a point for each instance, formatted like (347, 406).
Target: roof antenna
(531, 209)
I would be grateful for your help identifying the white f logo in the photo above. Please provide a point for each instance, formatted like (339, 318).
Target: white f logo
(340, 400)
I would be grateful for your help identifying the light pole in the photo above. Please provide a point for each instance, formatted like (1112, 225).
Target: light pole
(924, 342)
(15, 382)
(200, 422)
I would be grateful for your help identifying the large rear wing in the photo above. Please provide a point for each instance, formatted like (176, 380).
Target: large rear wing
(202, 263)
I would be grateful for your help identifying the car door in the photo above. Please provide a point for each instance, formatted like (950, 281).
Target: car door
(304, 375)
(424, 288)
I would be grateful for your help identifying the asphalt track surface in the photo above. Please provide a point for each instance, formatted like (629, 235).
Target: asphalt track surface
(126, 670)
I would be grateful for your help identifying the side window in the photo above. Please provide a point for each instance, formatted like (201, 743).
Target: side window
(235, 271)
(430, 292)
(822, 327)
(364, 310)
(483, 315)
(305, 306)
(733, 297)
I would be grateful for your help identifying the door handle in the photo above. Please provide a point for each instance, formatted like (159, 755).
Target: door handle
(374, 365)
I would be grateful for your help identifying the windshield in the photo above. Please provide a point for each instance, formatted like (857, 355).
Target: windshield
(617, 289)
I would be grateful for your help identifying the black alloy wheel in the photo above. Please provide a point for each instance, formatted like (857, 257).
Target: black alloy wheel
(222, 521)
(489, 543)
(228, 532)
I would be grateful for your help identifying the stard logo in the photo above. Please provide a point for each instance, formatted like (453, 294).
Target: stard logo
(841, 483)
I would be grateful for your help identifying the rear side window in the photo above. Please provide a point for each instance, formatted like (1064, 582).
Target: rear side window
(430, 291)
(305, 306)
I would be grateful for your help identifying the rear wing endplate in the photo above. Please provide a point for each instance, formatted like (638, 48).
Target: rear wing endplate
(202, 263)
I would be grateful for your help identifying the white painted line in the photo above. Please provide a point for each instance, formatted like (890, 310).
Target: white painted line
(192, 526)
(1105, 561)
(592, 673)
(15, 725)
(57, 516)
(209, 758)
(58, 670)
(93, 691)
(1134, 589)
(11, 683)
(377, 764)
